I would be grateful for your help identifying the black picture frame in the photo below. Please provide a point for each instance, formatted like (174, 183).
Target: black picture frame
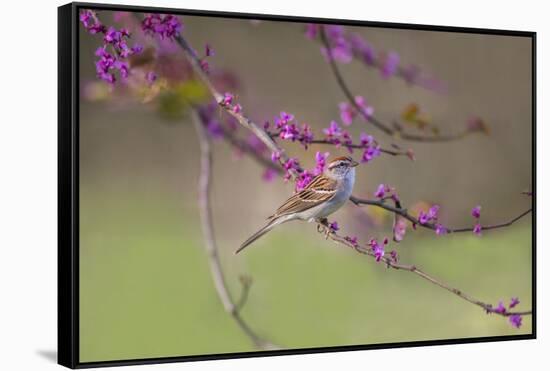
(68, 183)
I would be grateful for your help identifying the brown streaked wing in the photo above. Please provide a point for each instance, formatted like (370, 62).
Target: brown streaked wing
(320, 189)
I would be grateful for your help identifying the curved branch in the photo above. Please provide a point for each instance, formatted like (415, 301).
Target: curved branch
(210, 244)
(373, 120)
(405, 214)
(413, 269)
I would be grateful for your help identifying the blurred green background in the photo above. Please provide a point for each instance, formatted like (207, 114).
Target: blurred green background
(145, 286)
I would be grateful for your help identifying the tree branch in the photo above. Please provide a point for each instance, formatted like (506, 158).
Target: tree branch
(373, 120)
(210, 243)
(405, 214)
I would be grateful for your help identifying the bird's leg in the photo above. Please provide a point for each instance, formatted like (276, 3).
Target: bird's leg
(323, 227)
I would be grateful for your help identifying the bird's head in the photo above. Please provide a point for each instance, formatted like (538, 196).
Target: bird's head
(340, 166)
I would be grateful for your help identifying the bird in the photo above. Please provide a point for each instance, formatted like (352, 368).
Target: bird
(325, 194)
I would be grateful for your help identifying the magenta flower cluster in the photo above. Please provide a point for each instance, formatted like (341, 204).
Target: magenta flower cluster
(372, 148)
(334, 134)
(110, 62)
(340, 47)
(348, 111)
(514, 319)
(91, 23)
(166, 26)
(431, 216)
(288, 129)
(476, 213)
(343, 48)
(333, 227)
(346, 47)
(378, 248)
(384, 191)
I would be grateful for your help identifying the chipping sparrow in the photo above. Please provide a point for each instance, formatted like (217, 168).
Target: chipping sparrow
(325, 194)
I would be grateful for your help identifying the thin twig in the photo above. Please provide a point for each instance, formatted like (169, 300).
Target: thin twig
(373, 120)
(209, 240)
(405, 214)
(412, 268)
(391, 152)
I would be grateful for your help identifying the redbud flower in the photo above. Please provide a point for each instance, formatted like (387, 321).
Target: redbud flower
(477, 229)
(366, 140)
(333, 131)
(237, 108)
(290, 165)
(370, 153)
(227, 99)
(399, 228)
(380, 191)
(431, 215)
(365, 108)
(500, 308)
(302, 180)
(377, 248)
(390, 66)
(432, 212)
(515, 320)
(476, 212)
(440, 230)
(423, 217)
(513, 302)
(166, 26)
(348, 111)
(320, 160)
(333, 226)
(340, 47)
(150, 77)
(283, 119)
(363, 49)
(289, 132)
(86, 16)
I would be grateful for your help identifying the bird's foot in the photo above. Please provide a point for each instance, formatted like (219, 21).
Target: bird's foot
(324, 227)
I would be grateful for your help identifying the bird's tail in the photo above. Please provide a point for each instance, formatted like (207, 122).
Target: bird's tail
(259, 234)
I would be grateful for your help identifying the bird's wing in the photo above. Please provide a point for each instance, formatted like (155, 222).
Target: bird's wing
(319, 190)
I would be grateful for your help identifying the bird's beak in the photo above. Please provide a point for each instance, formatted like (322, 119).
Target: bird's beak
(354, 163)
